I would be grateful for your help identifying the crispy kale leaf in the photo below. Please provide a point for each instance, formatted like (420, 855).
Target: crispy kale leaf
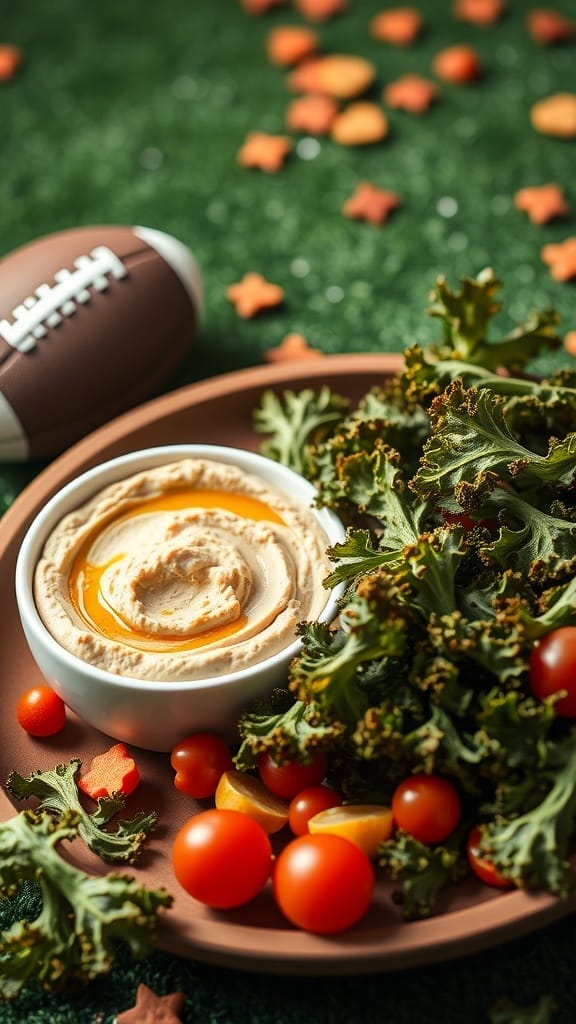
(457, 484)
(295, 422)
(83, 918)
(466, 315)
(57, 792)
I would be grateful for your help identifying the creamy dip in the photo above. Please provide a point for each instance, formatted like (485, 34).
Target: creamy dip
(184, 571)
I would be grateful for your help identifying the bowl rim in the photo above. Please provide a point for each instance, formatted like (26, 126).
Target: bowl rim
(89, 483)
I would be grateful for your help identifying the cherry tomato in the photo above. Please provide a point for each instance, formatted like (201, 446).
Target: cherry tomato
(286, 780)
(41, 712)
(199, 761)
(222, 858)
(323, 883)
(480, 864)
(426, 806)
(553, 668)
(309, 802)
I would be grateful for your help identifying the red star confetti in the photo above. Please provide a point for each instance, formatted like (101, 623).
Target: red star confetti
(290, 44)
(10, 60)
(479, 12)
(253, 294)
(458, 64)
(371, 203)
(399, 26)
(320, 10)
(265, 152)
(313, 114)
(291, 349)
(542, 202)
(561, 258)
(411, 93)
(153, 1009)
(550, 27)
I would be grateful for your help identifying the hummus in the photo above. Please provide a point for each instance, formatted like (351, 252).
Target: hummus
(181, 572)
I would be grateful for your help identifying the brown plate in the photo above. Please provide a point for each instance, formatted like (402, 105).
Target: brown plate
(255, 937)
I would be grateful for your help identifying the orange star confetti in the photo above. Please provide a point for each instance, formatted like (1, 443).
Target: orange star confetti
(291, 349)
(542, 202)
(549, 27)
(253, 294)
(458, 64)
(320, 10)
(479, 12)
(153, 1009)
(260, 6)
(570, 343)
(313, 114)
(361, 124)
(371, 203)
(338, 75)
(555, 115)
(399, 26)
(561, 258)
(411, 93)
(290, 44)
(265, 152)
(10, 60)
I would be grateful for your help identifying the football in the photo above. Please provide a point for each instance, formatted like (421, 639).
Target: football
(93, 321)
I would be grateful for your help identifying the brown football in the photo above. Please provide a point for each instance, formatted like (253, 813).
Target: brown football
(93, 321)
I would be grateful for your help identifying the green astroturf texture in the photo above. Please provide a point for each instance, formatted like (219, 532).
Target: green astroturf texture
(127, 111)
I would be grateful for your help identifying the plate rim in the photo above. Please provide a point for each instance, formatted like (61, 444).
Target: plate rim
(506, 916)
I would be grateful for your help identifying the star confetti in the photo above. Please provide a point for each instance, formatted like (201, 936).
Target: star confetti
(411, 93)
(458, 64)
(479, 12)
(290, 44)
(312, 113)
(561, 258)
(265, 152)
(371, 203)
(253, 294)
(549, 27)
(320, 10)
(10, 60)
(291, 349)
(339, 75)
(570, 342)
(399, 26)
(542, 202)
(360, 124)
(260, 6)
(153, 1009)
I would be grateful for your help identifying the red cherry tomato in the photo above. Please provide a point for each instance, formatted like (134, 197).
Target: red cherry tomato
(481, 866)
(41, 712)
(309, 802)
(323, 883)
(286, 780)
(553, 668)
(199, 761)
(426, 806)
(222, 858)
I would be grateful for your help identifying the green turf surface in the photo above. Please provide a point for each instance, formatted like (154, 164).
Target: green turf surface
(128, 111)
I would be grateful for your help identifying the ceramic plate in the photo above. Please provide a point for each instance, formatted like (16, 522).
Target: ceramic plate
(255, 937)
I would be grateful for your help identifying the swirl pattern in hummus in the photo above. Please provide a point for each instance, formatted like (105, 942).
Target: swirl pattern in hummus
(185, 571)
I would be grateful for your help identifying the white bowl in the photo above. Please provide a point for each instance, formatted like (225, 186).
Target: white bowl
(156, 714)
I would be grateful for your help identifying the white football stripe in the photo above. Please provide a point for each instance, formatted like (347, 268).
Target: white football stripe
(179, 257)
(91, 272)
